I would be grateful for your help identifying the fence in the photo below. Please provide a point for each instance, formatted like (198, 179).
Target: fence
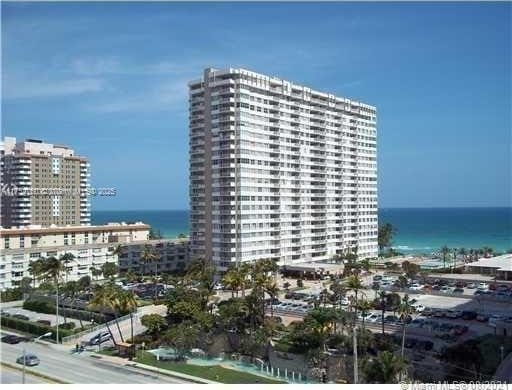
(76, 336)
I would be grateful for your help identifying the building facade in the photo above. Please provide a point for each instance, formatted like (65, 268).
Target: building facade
(172, 255)
(43, 184)
(280, 171)
(92, 246)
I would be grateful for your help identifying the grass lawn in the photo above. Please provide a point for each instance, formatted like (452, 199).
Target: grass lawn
(108, 352)
(214, 373)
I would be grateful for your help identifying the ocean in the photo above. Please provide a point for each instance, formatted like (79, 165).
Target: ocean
(419, 230)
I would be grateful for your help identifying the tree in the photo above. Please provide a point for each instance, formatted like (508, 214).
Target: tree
(445, 251)
(154, 234)
(385, 236)
(411, 269)
(182, 337)
(130, 276)
(232, 280)
(149, 256)
(364, 307)
(95, 272)
(71, 291)
(385, 368)
(355, 284)
(103, 299)
(286, 285)
(154, 322)
(272, 290)
(383, 299)
(405, 310)
(127, 303)
(25, 285)
(109, 270)
(52, 271)
(339, 291)
(35, 269)
(66, 259)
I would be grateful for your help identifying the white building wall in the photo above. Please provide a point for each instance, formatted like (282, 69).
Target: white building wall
(293, 171)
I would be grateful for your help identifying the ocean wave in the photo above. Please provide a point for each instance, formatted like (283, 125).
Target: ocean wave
(409, 248)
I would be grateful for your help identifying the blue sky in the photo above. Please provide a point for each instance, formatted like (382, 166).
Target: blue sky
(110, 80)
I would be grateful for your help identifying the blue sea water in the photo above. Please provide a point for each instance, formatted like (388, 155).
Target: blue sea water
(419, 230)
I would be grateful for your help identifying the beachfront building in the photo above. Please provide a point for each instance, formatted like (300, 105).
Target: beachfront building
(170, 255)
(92, 246)
(43, 184)
(499, 266)
(279, 171)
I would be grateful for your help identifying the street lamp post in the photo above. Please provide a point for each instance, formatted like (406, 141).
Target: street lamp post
(25, 354)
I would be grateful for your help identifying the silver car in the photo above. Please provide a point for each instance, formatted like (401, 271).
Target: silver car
(30, 359)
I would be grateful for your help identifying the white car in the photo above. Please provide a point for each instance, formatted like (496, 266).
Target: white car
(416, 286)
(419, 308)
(483, 286)
(373, 318)
(445, 290)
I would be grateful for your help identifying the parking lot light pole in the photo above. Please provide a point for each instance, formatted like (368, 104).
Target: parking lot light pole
(25, 354)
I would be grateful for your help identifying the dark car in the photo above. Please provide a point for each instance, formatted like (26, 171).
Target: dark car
(4, 314)
(436, 287)
(288, 295)
(391, 319)
(21, 317)
(410, 342)
(427, 345)
(460, 329)
(11, 339)
(458, 290)
(377, 277)
(44, 322)
(460, 284)
(482, 317)
(469, 315)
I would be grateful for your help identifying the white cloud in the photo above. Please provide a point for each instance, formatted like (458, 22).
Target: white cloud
(30, 88)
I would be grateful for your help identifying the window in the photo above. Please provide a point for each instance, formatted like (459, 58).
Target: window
(6, 243)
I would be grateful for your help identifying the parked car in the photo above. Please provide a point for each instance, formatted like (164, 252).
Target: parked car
(482, 318)
(502, 288)
(419, 308)
(458, 290)
(469, 315)
(436, 287)
(445, 290)
(416, 287)
(373, 318)
(472, 285)
(21, 317)
(390, 319)
(483, 286)
(454, 314)
(44, 322)
(460, 329)
(494, 319)
(13, 339)
(29, 358)
(377, 277)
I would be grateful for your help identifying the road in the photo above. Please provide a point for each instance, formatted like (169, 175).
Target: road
(57, 362)
(11, 376)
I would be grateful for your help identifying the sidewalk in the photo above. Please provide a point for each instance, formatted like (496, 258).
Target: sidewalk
(124, 362)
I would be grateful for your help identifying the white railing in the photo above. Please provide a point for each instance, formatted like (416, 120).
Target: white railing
(76, 336)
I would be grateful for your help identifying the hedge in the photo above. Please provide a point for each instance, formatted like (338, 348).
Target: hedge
(11, 294)
(33, 328)
(48, 308)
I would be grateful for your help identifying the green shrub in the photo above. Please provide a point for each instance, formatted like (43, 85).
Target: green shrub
(33, 328)
(67, 325)
(39, 306)
(11, 294)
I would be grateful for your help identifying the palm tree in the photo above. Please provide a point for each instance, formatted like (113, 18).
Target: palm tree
(339, 291)
(102, 300)
(444, 252)
(67, 258)
(355, 284)
(128, 303)
(232, 280)
(364, 306)
(271, 289)
(149, 256)
(463, 253)
(35, 268)
(95, 272)
(386, 368)
(405, 310)
(52, 270)
(383, 299)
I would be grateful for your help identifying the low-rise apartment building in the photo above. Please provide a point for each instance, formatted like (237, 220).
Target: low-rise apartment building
(92, 246)
(171, 255)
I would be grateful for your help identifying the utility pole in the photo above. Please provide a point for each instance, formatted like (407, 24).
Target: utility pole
(354, 335)
(502, 348)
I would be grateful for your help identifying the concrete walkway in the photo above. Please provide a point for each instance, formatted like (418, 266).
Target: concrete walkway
(504, 371)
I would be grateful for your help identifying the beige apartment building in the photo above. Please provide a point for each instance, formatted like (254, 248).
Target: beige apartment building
(92, 246)
(43, 184)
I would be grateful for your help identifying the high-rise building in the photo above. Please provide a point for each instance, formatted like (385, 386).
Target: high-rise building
(280, 171)
(43, 184)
